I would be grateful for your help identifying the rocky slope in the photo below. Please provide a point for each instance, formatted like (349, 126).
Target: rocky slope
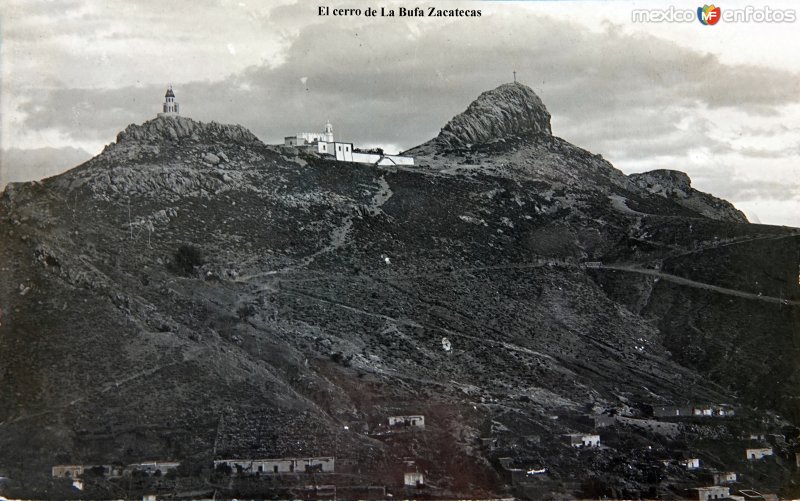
(677, 186)
(192, 294)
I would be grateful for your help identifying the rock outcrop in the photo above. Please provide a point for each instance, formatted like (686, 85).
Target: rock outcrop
(182, 128)
(511, 109)
(677, 186)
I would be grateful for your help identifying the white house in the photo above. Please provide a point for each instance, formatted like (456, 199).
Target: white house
(407, 421)
(280, 465)
(584, 440)
(413, 479)
(153, 468)
(691, 464)
(759, 453)
(68, 470)
(713, 492)
(693, 410)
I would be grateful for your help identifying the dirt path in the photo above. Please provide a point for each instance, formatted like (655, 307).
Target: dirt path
(338, 236)
(360, 311)
(699, 285)
(704, 246)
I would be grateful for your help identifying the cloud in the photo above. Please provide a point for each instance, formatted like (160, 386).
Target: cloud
(383, 81)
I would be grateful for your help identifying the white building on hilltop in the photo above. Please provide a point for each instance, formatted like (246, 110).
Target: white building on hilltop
(324, 143)
(171, 107)
(306, 138)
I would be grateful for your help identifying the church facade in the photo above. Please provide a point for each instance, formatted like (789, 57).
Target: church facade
(306, 138)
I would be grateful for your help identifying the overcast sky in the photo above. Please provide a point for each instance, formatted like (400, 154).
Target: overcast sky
(721, 102)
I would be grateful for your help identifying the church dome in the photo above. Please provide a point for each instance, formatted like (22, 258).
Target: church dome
(170, 93)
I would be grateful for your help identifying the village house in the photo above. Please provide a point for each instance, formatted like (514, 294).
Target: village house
(672, 411)
(76, 470)
(413, 479)
(68, 470)
(577, 440)
(407, 421)
(712, 492)
(725, 477)
(280, 465)
(758, 453)
(691, 464)
(153, 468)
(693, 411)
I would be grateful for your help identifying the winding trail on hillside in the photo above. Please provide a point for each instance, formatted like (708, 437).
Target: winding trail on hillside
(707, 245)
(360, 311)
(700, 285)
(339, 234)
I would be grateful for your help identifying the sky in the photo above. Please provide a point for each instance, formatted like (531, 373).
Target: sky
(719, 102)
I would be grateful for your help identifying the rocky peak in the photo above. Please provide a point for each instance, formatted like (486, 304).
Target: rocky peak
(183, 129)
(510, 109)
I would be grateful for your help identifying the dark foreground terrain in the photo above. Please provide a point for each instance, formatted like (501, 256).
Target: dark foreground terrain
(192, 294)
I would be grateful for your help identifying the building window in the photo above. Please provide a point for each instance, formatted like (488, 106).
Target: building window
(275, 469)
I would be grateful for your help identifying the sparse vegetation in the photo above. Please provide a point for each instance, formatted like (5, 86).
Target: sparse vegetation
(187, 258)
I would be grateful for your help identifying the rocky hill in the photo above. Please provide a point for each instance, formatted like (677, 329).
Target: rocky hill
(193, 294)
(509, 110)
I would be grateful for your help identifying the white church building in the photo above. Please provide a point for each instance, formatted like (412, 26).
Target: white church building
(306, 138)
(324, 143)
(171, 107)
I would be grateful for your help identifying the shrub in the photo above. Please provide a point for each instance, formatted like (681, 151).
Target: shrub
(187, 257)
